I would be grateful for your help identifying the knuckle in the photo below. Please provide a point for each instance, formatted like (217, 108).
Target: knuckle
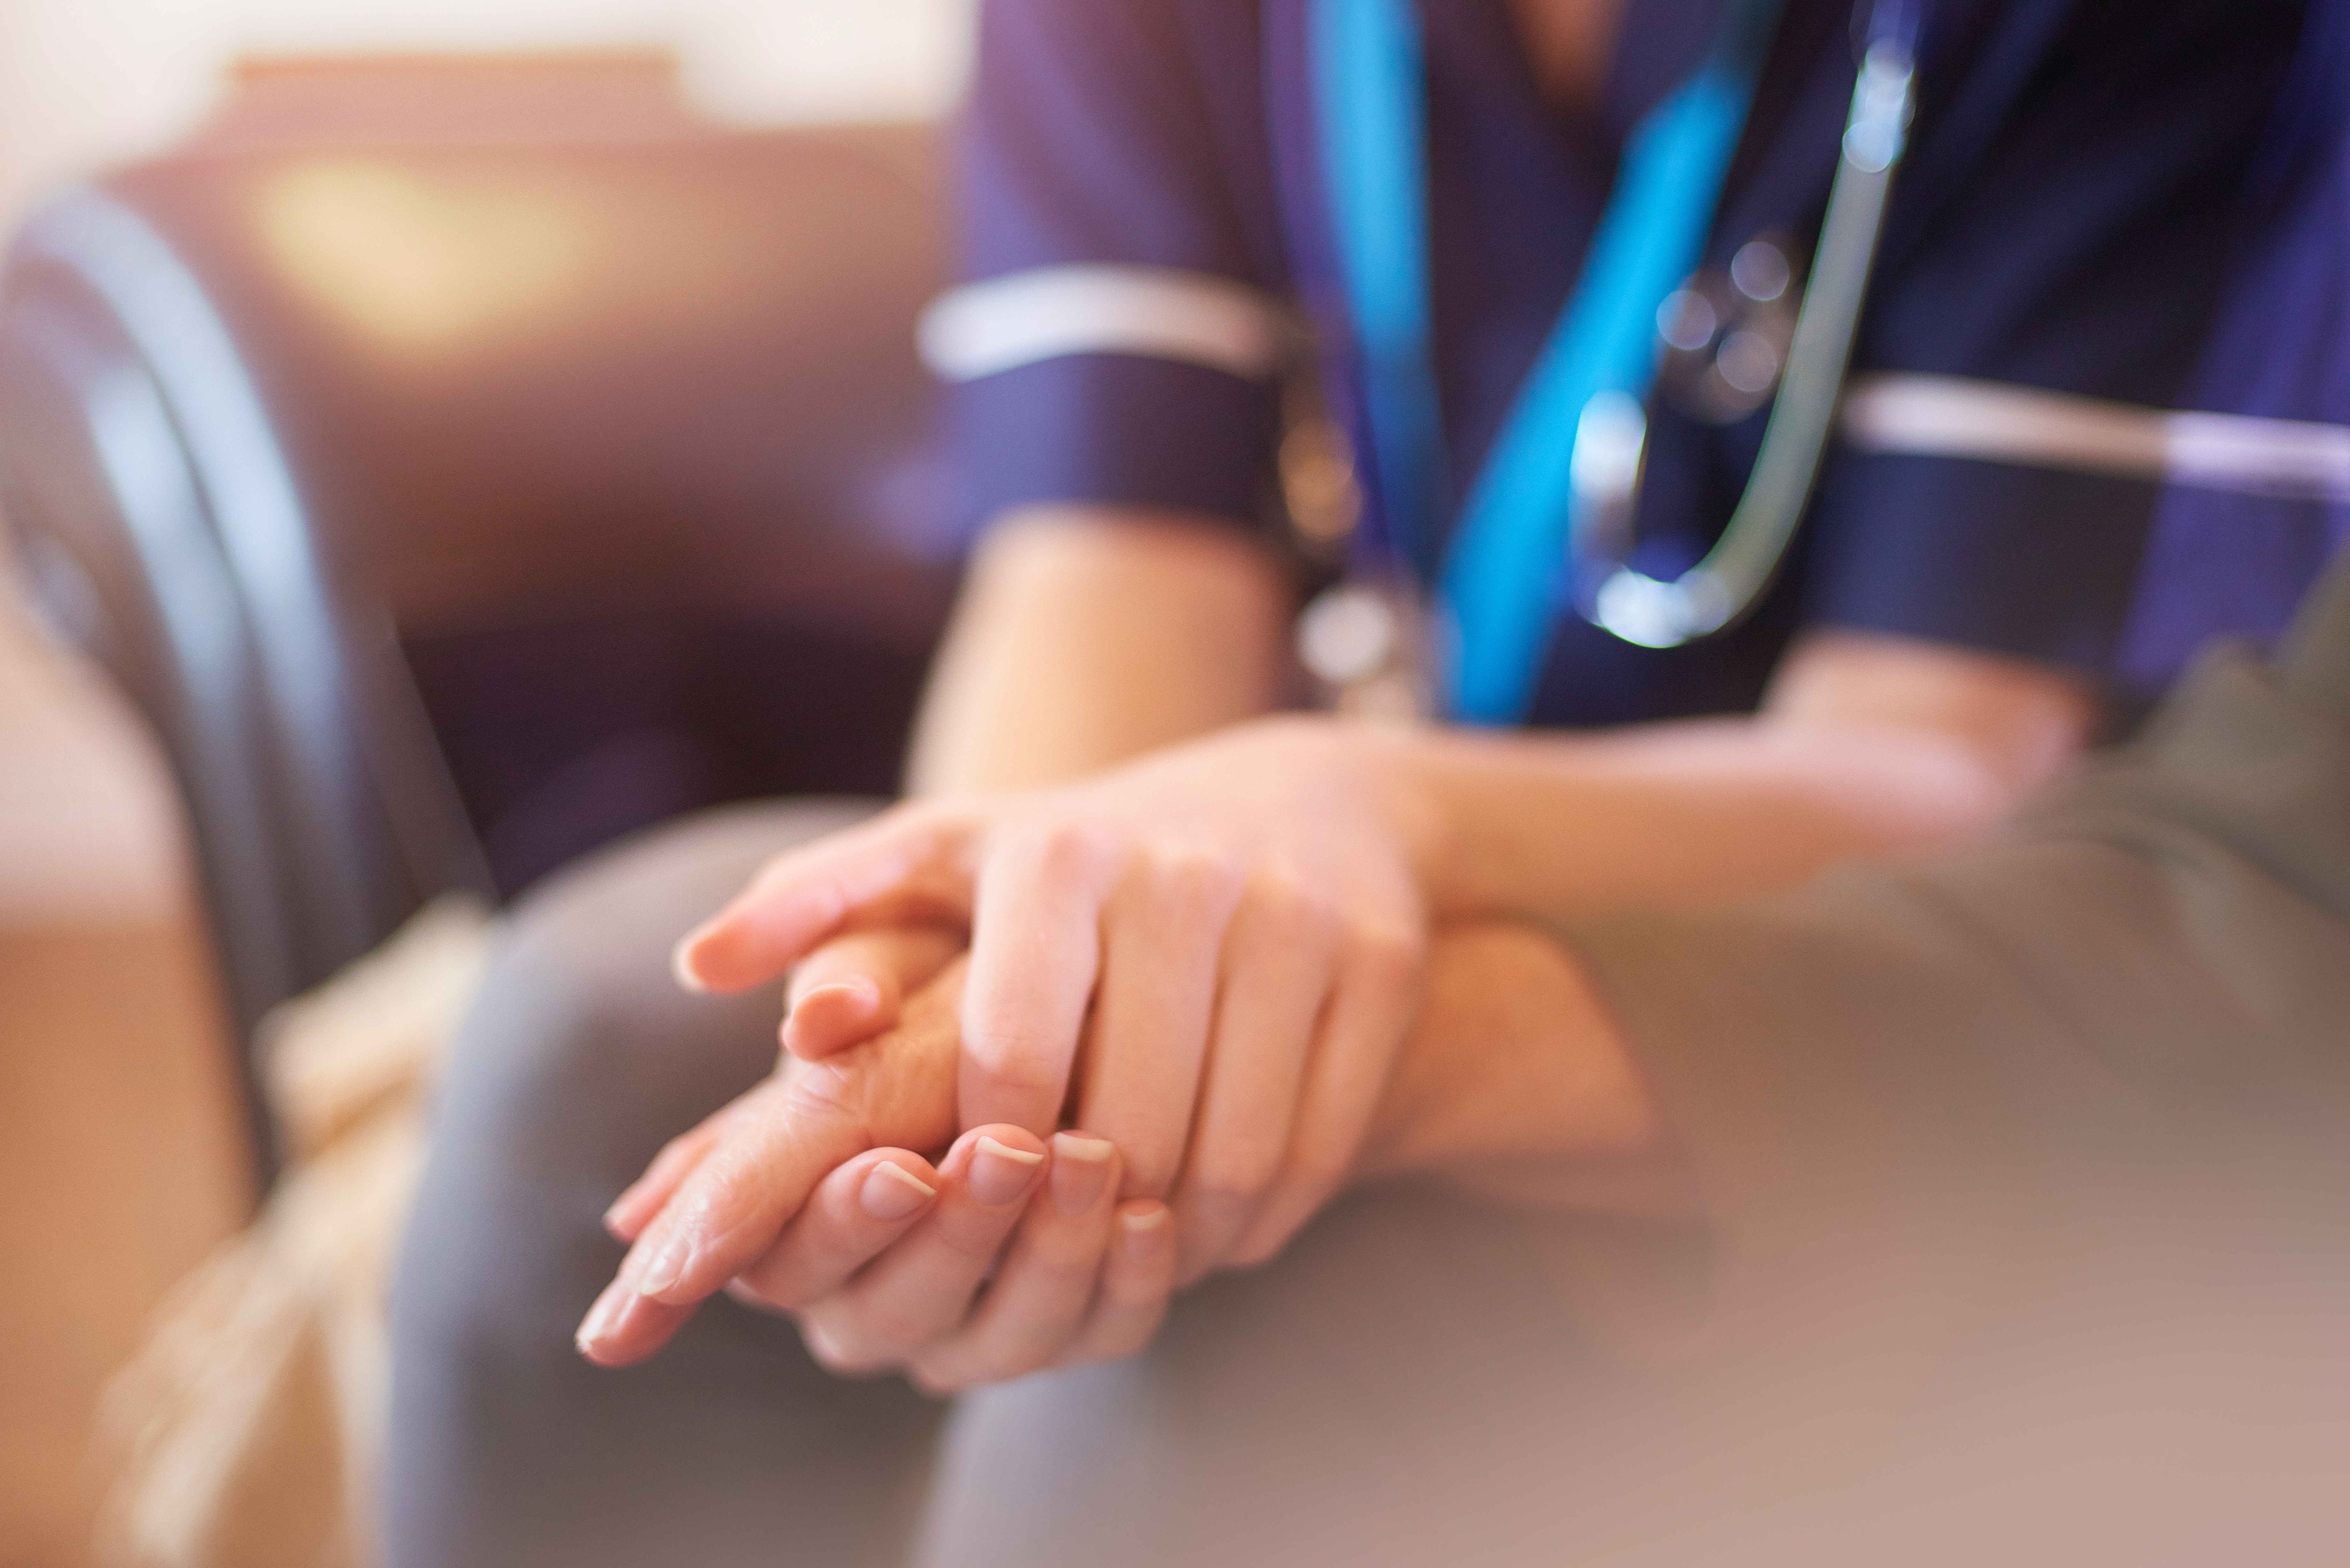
(1385, 954)
(1191, 877)
(973, 1244)
(1287, 911)
(825, 1092)
(1015, 1061)
(1062, 849)
(1234, 1175)
(1149, 1172)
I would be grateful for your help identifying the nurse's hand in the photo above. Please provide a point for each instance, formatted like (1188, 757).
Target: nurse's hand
(1209, 957)
(1011, 1257)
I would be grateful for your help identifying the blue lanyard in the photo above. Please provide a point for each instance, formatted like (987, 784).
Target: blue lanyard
(1500, 584)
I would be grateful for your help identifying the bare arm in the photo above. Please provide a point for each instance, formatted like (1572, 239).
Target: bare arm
(1088, 635)
(1084, 636)
(1516, 1082)
(1865, 745)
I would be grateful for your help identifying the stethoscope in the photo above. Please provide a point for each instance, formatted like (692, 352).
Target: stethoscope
(1550, 522)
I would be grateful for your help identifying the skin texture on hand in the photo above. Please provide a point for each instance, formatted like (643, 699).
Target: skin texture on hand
(717, 1200)
(882, 1257)
(1210, 955)
(1512, 1082)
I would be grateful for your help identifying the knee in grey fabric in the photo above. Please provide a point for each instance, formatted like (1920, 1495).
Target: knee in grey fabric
(1409, 1352)
(1411, 1382)
(579, 1059)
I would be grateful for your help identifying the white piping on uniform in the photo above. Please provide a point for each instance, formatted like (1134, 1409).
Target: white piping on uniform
(1945, 416)
(1159, 313)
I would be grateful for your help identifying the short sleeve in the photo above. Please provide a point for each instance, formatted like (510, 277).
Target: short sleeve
(2064, 225)
(1120, 326)
(2233, 565)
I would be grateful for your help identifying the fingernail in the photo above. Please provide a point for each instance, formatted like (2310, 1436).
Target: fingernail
(621, 1206)
(680, 969)
(667, 1265)
(1000, 1173)
(893, 1192)
(856, 991)
(1140, 1231)
(1080, 1171)
(601, 1317)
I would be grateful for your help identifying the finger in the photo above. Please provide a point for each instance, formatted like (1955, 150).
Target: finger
(852, 1217)
(1370, 1009)
(1278, 970)
(1034, 952)
(849, 990)
(1030, 1312)
(1138, 1275)
(902, 867)
(792, 1131)
(646, 1196)
(922, 1287)
(1164, 933)
(734, 1205)
(625, 1326)
(896, 1089)
(853, 987)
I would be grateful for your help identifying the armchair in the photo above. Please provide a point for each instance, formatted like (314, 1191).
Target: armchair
(459, 464)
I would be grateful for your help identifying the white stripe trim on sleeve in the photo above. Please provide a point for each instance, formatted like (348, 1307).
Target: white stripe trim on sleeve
(1948, 416)
(1158, 312)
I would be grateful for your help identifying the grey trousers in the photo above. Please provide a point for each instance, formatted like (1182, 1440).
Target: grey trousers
(1407, 1380)
(2088, 1083)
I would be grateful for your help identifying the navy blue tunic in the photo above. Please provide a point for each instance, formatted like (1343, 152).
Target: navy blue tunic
(2062, 223)
(2236, 566)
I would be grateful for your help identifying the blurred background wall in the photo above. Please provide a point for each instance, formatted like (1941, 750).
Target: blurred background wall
(84, 82)
(121, 1158)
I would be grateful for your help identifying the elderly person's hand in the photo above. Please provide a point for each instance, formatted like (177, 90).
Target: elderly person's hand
(1023, 1258)
(1512, 1082)
(879, 1254)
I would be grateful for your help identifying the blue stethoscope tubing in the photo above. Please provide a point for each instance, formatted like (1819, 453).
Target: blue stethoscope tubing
(1537, 524)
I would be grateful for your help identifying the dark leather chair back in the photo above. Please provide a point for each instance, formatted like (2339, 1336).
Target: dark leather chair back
(460, 465)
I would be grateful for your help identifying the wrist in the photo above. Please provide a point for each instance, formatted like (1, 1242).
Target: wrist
(1400, 766)
(1513, 1072)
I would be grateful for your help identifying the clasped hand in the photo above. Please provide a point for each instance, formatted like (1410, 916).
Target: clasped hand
(1207, 961)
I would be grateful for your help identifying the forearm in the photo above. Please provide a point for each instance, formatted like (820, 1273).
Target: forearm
(1515, 1075)
(1867, 747)
(1089, 635)
(2140, 983)
(1516, 1082)
(1675, 814)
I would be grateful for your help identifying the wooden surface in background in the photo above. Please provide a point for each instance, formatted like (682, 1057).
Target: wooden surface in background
(121, 1158)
